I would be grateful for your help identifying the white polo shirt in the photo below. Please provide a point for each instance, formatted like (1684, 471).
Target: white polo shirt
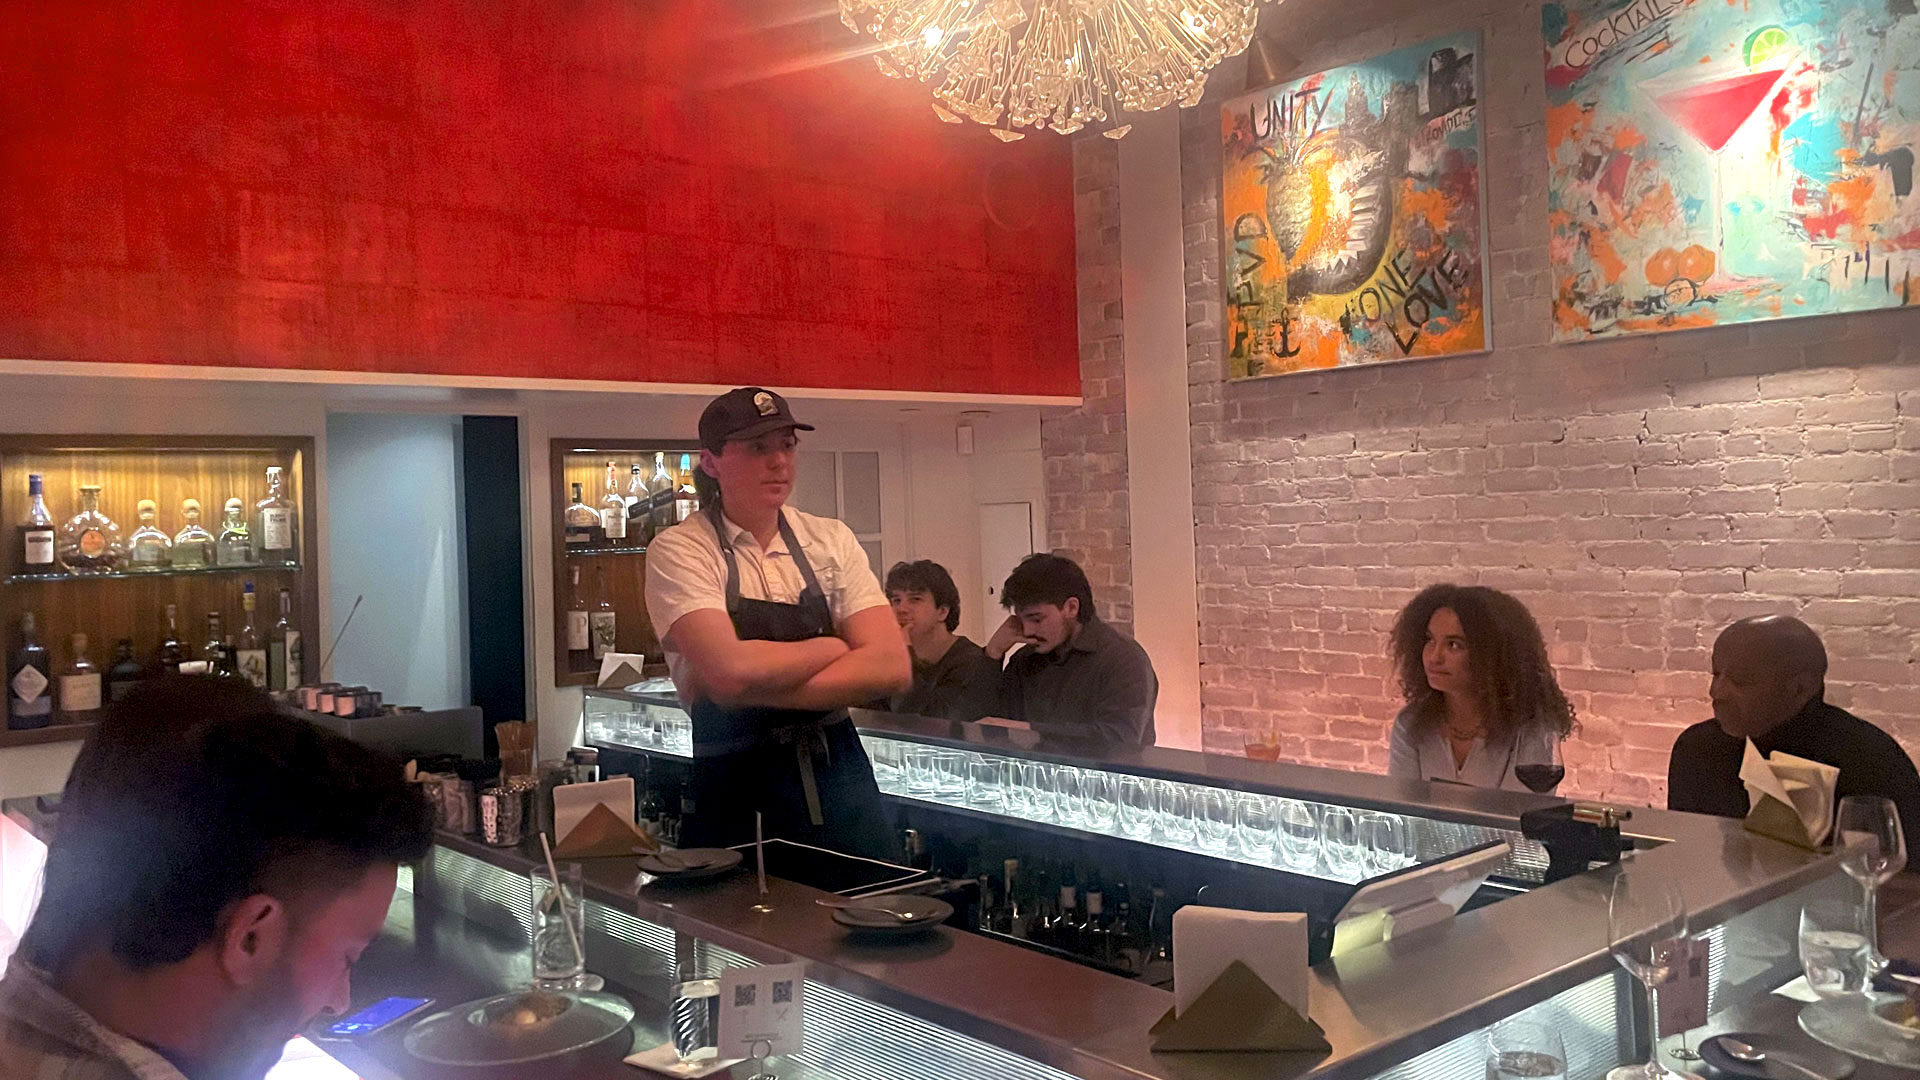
(686, 572)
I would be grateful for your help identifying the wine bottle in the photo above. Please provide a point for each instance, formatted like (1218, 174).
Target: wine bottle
(579, 636)
(284, 661)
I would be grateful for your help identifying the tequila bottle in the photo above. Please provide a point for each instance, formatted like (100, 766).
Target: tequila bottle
(660, 491)
(79, 686)
(90, 541)
(149, 548)
(236, 537)
(686, 500)
(613, 510)
(601, 619)
(582, 521)
(193, 545)
(29, 680)
(285, 666)
(248, 654)
(36, 533)
(125, 674)
(274, 538)
(172, 652)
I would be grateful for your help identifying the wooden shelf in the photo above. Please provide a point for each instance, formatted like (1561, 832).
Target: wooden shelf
(50, 734)
(183, 571)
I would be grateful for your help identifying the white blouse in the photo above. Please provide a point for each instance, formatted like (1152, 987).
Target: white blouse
(1428, 755)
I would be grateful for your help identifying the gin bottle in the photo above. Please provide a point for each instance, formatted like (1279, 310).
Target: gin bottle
(248, 654)
(29, 681)
(613, 510)
(79, 686)
(36, 533)
(193, 546)
(274, 539)
(236, 537)
(149, 548)
(660, 491)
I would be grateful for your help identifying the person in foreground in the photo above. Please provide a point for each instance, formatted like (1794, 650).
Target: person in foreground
(1769, 685)
(217, 869)
(773, 625)
(952, 677)
(1481, 696)
(1075, 675)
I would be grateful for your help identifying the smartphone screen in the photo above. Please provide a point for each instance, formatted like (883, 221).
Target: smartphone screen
(376, 1016)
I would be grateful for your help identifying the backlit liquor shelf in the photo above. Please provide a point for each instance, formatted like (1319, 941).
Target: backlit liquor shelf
(1410, 1008)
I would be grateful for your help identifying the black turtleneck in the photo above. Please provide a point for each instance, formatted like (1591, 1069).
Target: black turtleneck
(1703, 776)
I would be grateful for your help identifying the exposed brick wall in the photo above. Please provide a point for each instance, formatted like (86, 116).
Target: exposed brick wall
(1085, 450)
(600, 189)
(1637, 494)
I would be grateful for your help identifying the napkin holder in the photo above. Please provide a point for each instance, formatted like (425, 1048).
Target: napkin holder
(620, 670)
(601, 834)
(1238, 1013)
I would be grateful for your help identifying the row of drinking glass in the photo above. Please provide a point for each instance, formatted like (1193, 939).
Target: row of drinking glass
(644, 726)
(1349, 845)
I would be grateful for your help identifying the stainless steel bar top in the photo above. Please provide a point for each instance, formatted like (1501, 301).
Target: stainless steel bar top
(1379, 1006)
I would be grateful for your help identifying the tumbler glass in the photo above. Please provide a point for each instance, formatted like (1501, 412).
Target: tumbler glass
(1256, 819)
(1103, 799)
(1136, 807)
(950, 773)
(1175, 803)
(986, 781)
(1214, 821)
(917, 763)
(1384, 843)
(1069, 786)
(1299, 835)
(1035, 781)
(1341, 828)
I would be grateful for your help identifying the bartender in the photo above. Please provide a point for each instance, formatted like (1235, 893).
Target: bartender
(773, 624)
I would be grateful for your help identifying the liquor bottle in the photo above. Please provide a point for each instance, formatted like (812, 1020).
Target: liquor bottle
(613, 510)
(214, 657)
(284, 660)
(1123, 945)
(36, 533)
(274, 535)
(1160, 929)
(582, 522)
(579, 635)
(29, 681)
(660, 491)
(1040, 913)
(601, 620)
(1096, 938)
(79, 686)
(1011, 918)
(125, 674)
(172, 652)
(636, 500)
(248, 655)
(1068, 925)
(149, 548)
(193, 545)
(235, 545)
(686, 500)
(90, 541)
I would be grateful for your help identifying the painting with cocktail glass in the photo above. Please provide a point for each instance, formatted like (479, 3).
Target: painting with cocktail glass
(1716, 163)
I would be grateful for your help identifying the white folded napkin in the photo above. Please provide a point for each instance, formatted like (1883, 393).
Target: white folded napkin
(1207, 940)
(1789, 798)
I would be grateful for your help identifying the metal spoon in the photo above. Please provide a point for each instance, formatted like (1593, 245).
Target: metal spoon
(1740, 1051)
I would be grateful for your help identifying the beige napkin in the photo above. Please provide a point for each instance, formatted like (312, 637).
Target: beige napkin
(1791, 798)
(595, 820)
(1238, 1012)
(1208, 940)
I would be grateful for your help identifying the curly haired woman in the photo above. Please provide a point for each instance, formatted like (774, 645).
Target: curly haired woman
(1481, 696)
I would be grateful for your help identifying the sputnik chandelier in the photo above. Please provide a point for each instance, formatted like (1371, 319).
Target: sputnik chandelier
(1060, 64)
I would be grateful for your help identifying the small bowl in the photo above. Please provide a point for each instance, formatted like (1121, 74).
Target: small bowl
(1899, 1013)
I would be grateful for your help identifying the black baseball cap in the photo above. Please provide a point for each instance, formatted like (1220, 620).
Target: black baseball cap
(746, 413)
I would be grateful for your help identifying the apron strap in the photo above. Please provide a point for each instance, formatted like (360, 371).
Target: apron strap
(794, 551)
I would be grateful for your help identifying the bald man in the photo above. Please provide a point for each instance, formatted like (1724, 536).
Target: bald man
(1769, 685)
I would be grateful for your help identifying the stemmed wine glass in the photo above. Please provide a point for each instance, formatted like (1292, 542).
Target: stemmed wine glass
(1543, 776)
(1647, 932)
(1872, 849)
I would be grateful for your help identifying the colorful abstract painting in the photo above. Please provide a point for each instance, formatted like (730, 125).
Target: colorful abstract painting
(1351, 214)
(1716, 162)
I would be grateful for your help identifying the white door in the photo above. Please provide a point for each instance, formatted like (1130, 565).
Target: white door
(1006, 537)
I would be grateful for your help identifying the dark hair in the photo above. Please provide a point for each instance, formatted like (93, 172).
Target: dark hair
(1507, 657)
(197, 792)
(931, 578)
(1048, 579)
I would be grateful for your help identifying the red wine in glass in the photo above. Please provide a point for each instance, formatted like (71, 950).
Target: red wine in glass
(1540, 778)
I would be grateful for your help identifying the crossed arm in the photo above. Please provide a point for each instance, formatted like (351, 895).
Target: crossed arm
(867, 660)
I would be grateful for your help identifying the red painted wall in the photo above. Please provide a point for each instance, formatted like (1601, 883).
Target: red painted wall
(548, 188)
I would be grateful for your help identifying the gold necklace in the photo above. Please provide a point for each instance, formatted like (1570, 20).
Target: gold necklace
(1469, 737)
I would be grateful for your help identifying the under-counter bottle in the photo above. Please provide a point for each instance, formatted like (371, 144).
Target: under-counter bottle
(275, 537)
(29, 680)
(193, 545)
(36, 532)
(79, 686)
(149, 548)
(90, 541)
